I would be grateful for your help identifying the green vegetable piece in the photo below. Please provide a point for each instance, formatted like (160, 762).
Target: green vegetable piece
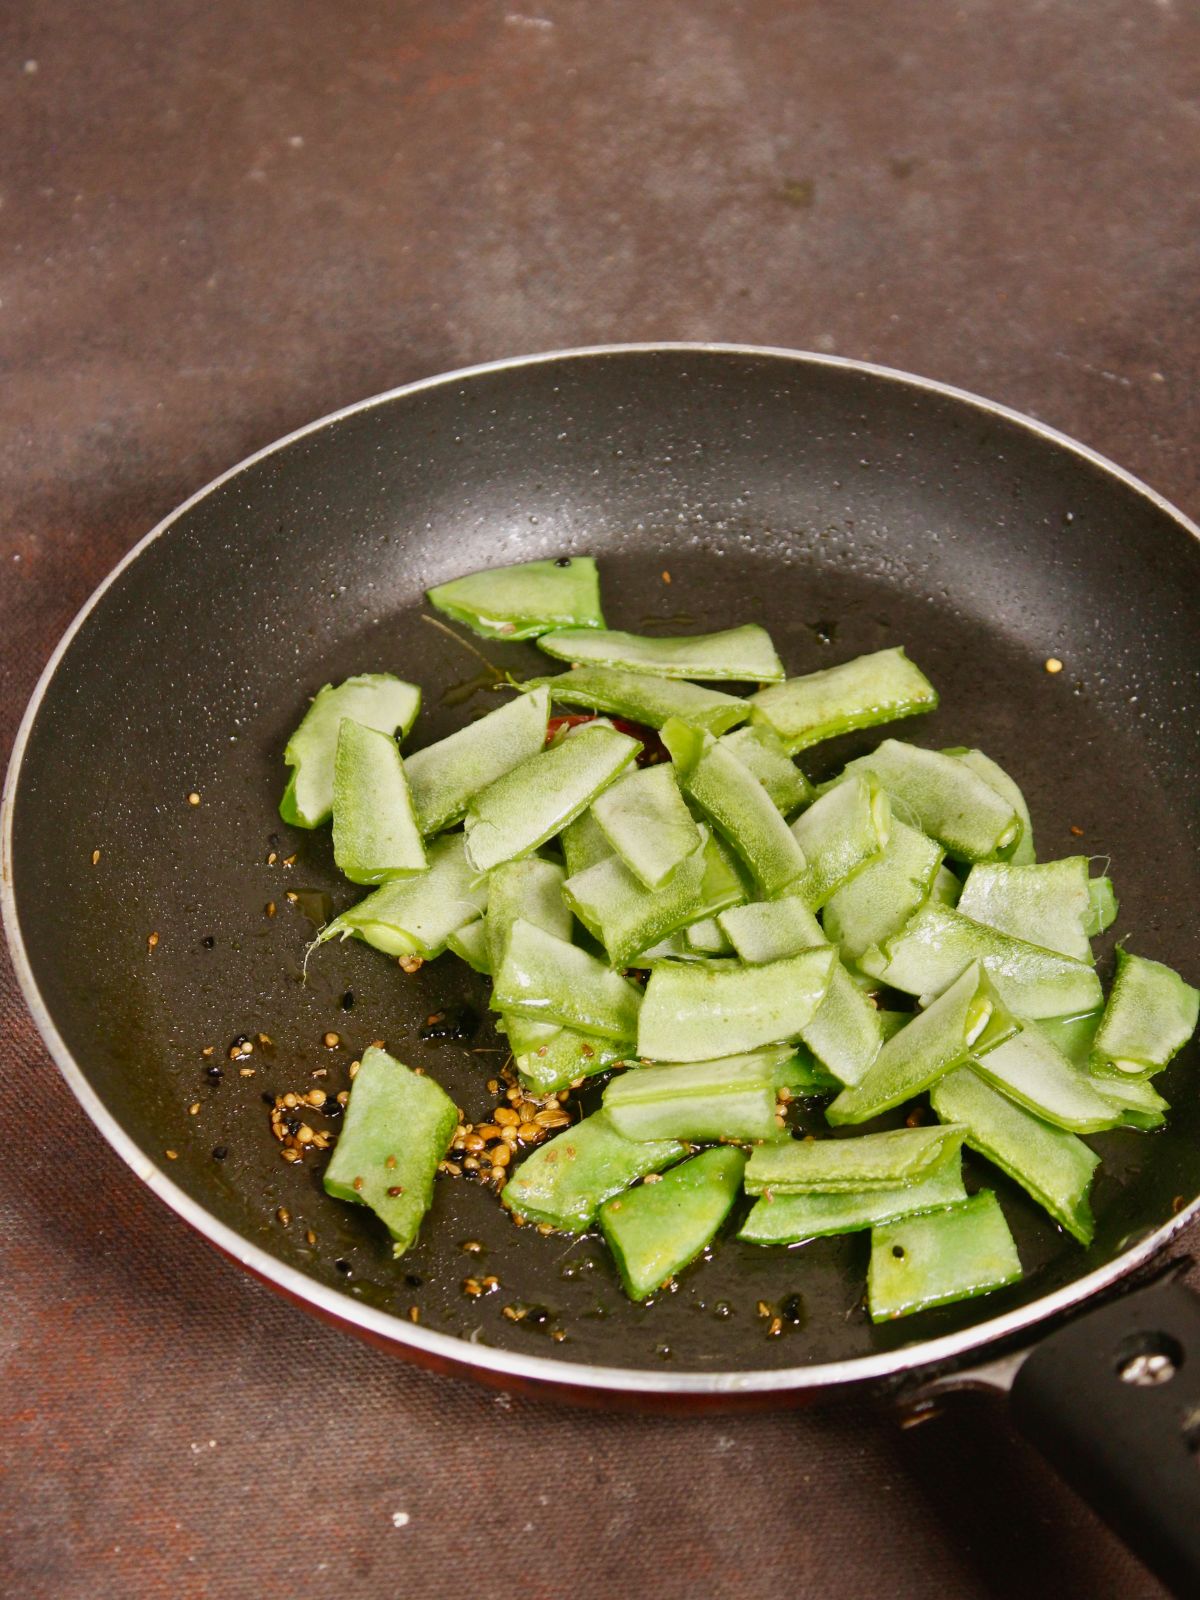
(969, 1018)
(846, 1166)
(561, 1060)
(470, 944)
(377, 700)
(946, 799)
(932, 1260)
(706, 938)
(522, 601)
(878, 900)
(840, 834)
(936, 944)
(845, 1033)
(673, 948)
(1074, 1036)
(1047, 905)
(548, 980)
(702, 1101)
(1030, 1069)
(628, 918)
(771, 930)
(1023, 855)
(530, 888)
(760, 750)
(398, 1126)
(416, 916)
(745, 653)
(533, 802)
(1054, 1166)
(737, 804)
(1136, 1102)
(691, 1011)
(446, 776)
(1103, 906)
(793, 1218)
(584, 842)
(1151, 1014)
(375, 835)
(645, 820)
(858, 694)
(645, 699)
(566, 1180)
(655, 1230)
(801, 1074)
(945, 889)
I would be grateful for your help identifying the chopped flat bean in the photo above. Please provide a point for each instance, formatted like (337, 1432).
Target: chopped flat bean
(446, 776)
(673, 948)
(1047, 905)
(689, 1012)
(1054, 1166)
(878, 900)
(627, 917)
(1136, 1102)
(470, 944)
(968, 1018)
(792, 1218)
(942, 1256)
(1030, 1069)
(644, 699)
(945, 798)
(375, 836)
(762, 751)
(945, 889)
(706, 938)
(655, 1230)
(987, 769)
(745, 654)
(646, 821)
(377, 700)
(1074, 1036)
(839, 835)
(845, 1033)
(533, 802)
(549, 1058)
(522, 601)
(802, 1074)
(532, 889)
(771, 929)
(702, 1101)
(845, 1166)
(566, 1180)
(584, 842)
(858, 694)
(548, 980)
(398, 1126)
(1151, 1014)
(1102, 908)
(737, 805)
(415, 916)
(937, 943)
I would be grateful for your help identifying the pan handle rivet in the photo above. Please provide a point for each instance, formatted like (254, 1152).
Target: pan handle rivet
(1147, 1370)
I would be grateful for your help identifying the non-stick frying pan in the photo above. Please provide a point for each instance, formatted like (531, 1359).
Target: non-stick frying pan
(844, 506)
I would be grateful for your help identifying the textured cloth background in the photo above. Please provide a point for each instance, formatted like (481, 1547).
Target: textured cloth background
(218, 221)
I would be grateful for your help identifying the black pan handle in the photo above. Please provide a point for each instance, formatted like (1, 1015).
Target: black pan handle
(1113, 1401)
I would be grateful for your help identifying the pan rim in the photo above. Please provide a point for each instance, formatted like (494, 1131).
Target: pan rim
(448, 1348)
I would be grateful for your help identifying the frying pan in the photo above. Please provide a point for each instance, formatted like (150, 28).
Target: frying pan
(845, 506)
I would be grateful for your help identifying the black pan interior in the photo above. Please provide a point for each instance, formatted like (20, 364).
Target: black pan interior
(845, 510)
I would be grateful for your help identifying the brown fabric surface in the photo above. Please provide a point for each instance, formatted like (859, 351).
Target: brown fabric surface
(219, 221)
